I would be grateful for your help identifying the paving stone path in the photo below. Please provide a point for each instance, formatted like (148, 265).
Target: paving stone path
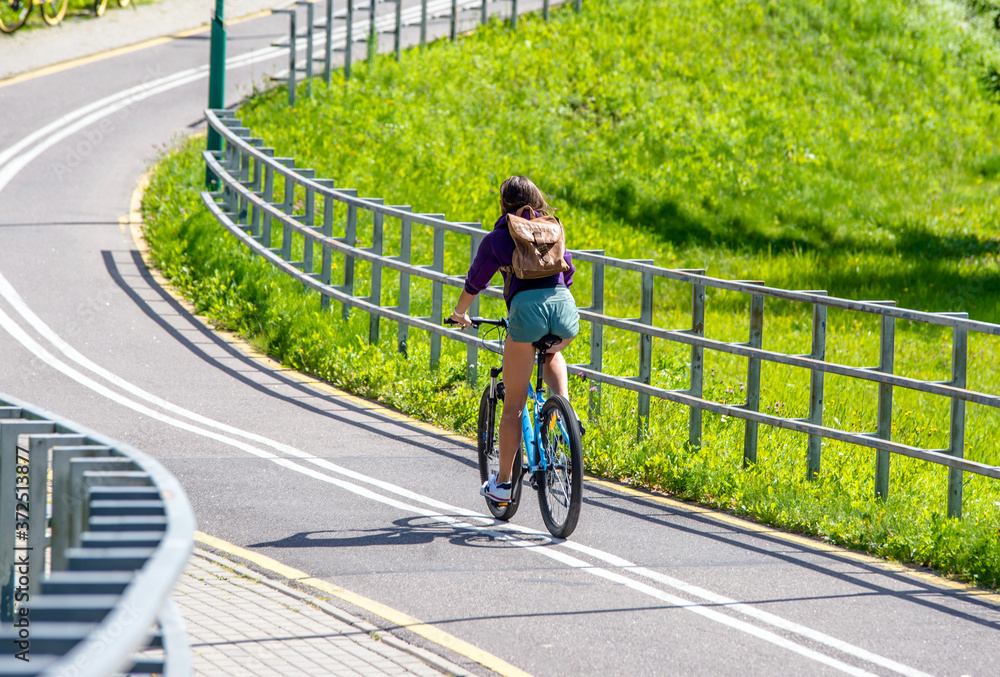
(240, 627)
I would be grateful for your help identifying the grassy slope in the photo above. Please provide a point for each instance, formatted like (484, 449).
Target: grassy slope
(813, 144)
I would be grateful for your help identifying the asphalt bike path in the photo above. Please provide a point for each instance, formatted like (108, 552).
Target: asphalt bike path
(367, 500)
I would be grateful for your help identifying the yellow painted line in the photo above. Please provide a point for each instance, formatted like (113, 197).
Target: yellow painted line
(804, 541)
(118, 51)
(135, 218)
(398, 618)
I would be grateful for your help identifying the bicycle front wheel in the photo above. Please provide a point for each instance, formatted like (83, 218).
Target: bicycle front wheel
(53, 11)
(560, 485)
(100, 6)
(13, 14)
(488, 446)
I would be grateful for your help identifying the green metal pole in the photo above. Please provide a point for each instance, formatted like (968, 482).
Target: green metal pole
(372, 34)
(216, 77)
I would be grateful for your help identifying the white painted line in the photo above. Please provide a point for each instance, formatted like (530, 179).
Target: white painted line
(753, 612)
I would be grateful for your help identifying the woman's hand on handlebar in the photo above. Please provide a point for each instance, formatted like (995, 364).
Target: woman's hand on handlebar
(462, 320)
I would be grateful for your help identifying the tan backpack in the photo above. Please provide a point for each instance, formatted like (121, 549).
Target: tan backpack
(539, 246)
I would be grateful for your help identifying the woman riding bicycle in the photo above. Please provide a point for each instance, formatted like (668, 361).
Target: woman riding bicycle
(535, 308)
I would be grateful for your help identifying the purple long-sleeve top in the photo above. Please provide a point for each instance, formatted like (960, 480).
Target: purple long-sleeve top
(496, 250)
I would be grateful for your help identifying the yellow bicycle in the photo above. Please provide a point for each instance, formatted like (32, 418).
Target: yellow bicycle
(13, 13)
(101, 5)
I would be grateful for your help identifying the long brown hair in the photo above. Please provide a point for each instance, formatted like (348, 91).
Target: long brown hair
(519, 191)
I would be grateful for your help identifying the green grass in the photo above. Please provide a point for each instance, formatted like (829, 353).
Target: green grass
(847, 146)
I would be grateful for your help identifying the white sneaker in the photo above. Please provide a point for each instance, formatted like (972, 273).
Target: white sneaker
(496, 492)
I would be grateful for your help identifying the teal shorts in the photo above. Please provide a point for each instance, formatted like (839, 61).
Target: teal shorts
(537, 312)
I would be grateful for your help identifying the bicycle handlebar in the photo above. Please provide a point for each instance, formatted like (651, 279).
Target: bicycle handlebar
(476, 321)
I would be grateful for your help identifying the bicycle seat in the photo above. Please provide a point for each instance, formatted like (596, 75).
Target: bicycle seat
(547, 342)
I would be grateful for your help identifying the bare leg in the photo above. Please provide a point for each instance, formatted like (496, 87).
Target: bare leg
(554, 372)
(518, 363)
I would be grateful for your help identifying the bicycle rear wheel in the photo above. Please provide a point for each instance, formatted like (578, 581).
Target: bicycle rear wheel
(53, 11)
(488, 446)
(13, 14)
(560, 486)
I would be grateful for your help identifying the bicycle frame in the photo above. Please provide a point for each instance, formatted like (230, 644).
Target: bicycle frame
(531, 430)
(531, 427)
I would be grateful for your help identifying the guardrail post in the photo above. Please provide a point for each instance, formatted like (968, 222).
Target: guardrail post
(423, 24)
(472, 349)
(956, 443)
(545, 9)
(437, 295)
(309, 219)
(753, 379)
(484, 14)
(38, 464)
(372, 33)
(9, 432)
(697, 361)
(226, 160)
(886, 360)
(513, 15)
(242, 204)
(328, 48)
(350, 239)
(453, 34)
(349, 40)
(8, 463)
(596, 337)
(292, 19)
(64, 501)
(814, 448)
(399, 30)
(325, 272)
(234, 164)
(253, 219)
(289, 208)
(265, 233)
(405, 251)
(578, 5)
(645, 354)
(376, 281)
(310, 17)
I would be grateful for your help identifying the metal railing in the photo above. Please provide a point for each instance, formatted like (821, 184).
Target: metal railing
(92, 582)
(363, 23)
(247, 205)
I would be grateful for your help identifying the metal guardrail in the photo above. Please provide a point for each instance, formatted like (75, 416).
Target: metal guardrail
(248, 207)
(367, 28)
(93, 537)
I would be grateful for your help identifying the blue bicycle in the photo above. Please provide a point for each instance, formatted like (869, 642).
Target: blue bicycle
(551, 451)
